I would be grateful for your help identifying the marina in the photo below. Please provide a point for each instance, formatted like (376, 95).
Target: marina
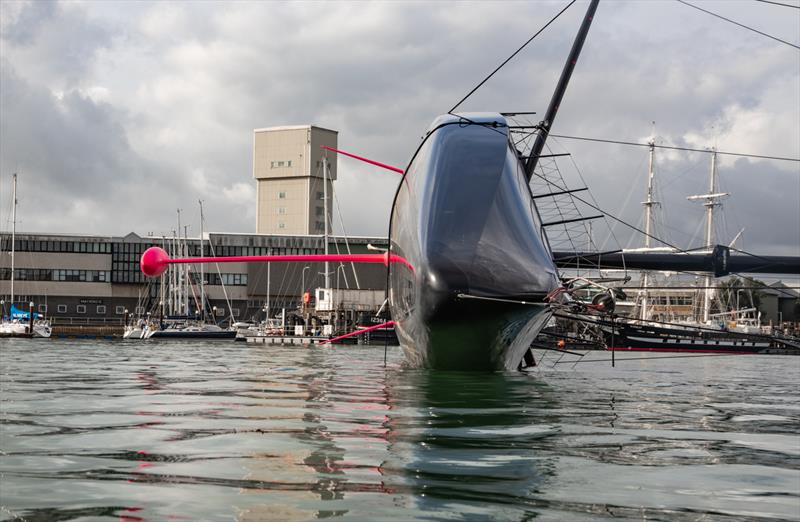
(267, 269)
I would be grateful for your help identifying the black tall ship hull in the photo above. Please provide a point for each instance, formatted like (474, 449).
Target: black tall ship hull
(469, 292)
(634, 337)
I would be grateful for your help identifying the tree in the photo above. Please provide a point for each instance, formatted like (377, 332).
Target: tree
(737, 290)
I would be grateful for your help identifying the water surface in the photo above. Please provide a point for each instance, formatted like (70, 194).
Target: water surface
(229, 431)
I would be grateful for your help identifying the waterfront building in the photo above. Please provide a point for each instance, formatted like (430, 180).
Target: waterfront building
(80, 279)
(288, 166)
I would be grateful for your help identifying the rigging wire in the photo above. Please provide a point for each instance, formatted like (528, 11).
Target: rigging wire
(583, 180)
(740, 25)
(612, 216)
(470, 93)
(688, 149)
(779, 3)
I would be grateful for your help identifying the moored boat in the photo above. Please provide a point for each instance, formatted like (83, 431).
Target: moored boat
(191, 330)
(639, 337)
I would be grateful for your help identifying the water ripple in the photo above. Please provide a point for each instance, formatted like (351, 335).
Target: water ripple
(210, 431)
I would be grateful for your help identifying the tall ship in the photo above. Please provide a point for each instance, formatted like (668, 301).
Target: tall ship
(725, 332)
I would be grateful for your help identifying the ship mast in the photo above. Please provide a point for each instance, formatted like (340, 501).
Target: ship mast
(711, 200)
(648, 226)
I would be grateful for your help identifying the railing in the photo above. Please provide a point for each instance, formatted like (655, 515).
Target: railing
(87, 321)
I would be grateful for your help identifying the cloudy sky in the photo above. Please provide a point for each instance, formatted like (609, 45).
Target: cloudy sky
(114, 114)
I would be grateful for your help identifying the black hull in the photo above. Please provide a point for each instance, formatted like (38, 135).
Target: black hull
(475, 335)
(464, 224)
(166, 334)
(643, 338)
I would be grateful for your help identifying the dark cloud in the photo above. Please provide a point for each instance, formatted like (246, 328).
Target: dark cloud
(126, 111)
(29, 21)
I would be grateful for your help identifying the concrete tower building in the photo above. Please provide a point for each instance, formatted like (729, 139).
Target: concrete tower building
(288, 168)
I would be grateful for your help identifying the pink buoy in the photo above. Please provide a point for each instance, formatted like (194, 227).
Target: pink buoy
(154, 261)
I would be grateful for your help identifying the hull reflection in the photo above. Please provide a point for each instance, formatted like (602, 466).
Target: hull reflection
(464, 219)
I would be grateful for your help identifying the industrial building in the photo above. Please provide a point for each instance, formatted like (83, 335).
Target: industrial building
(78, 279)
(293, 176)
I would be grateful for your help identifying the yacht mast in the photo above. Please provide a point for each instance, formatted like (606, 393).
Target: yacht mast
(202, 271)
(161, 285)
(13, 232)
(555, 102)
(186, 271)
(325, 211)
(268, 289)
(711, 201)
(173, 278)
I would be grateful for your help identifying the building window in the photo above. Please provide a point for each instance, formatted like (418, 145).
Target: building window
(289, 163)
(119, 310)
(272, 164)
(282, 195)
(235, 312)
(62, 309)
(101, 309)
(280, 163)
(320, 195)
(140, 310)
(281, 210)
(320, 211)
(281, 225)
(220, 312)
(81, 309)
(42, 308)
(320, 226)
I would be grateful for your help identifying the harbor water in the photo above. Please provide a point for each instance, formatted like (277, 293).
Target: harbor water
(133, 431)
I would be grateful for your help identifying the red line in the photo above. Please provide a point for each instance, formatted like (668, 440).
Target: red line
(372, 162)
(343, 258)
(346, 258)
(155, 260)
(357, 332)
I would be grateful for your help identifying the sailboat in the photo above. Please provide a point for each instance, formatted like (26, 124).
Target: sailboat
(184, 326)
(472, 279)
(20, 323)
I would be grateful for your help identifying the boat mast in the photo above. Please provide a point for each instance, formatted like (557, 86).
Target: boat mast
(173, 278)
(202, 271)
(161, 285)
(179, 274)
(186, 271)
(13, 231)
(325, 211)
(547, 123)
(268, 288)
(648, 226)
(711, 201)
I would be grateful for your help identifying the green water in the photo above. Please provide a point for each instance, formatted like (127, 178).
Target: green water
(137, 431)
